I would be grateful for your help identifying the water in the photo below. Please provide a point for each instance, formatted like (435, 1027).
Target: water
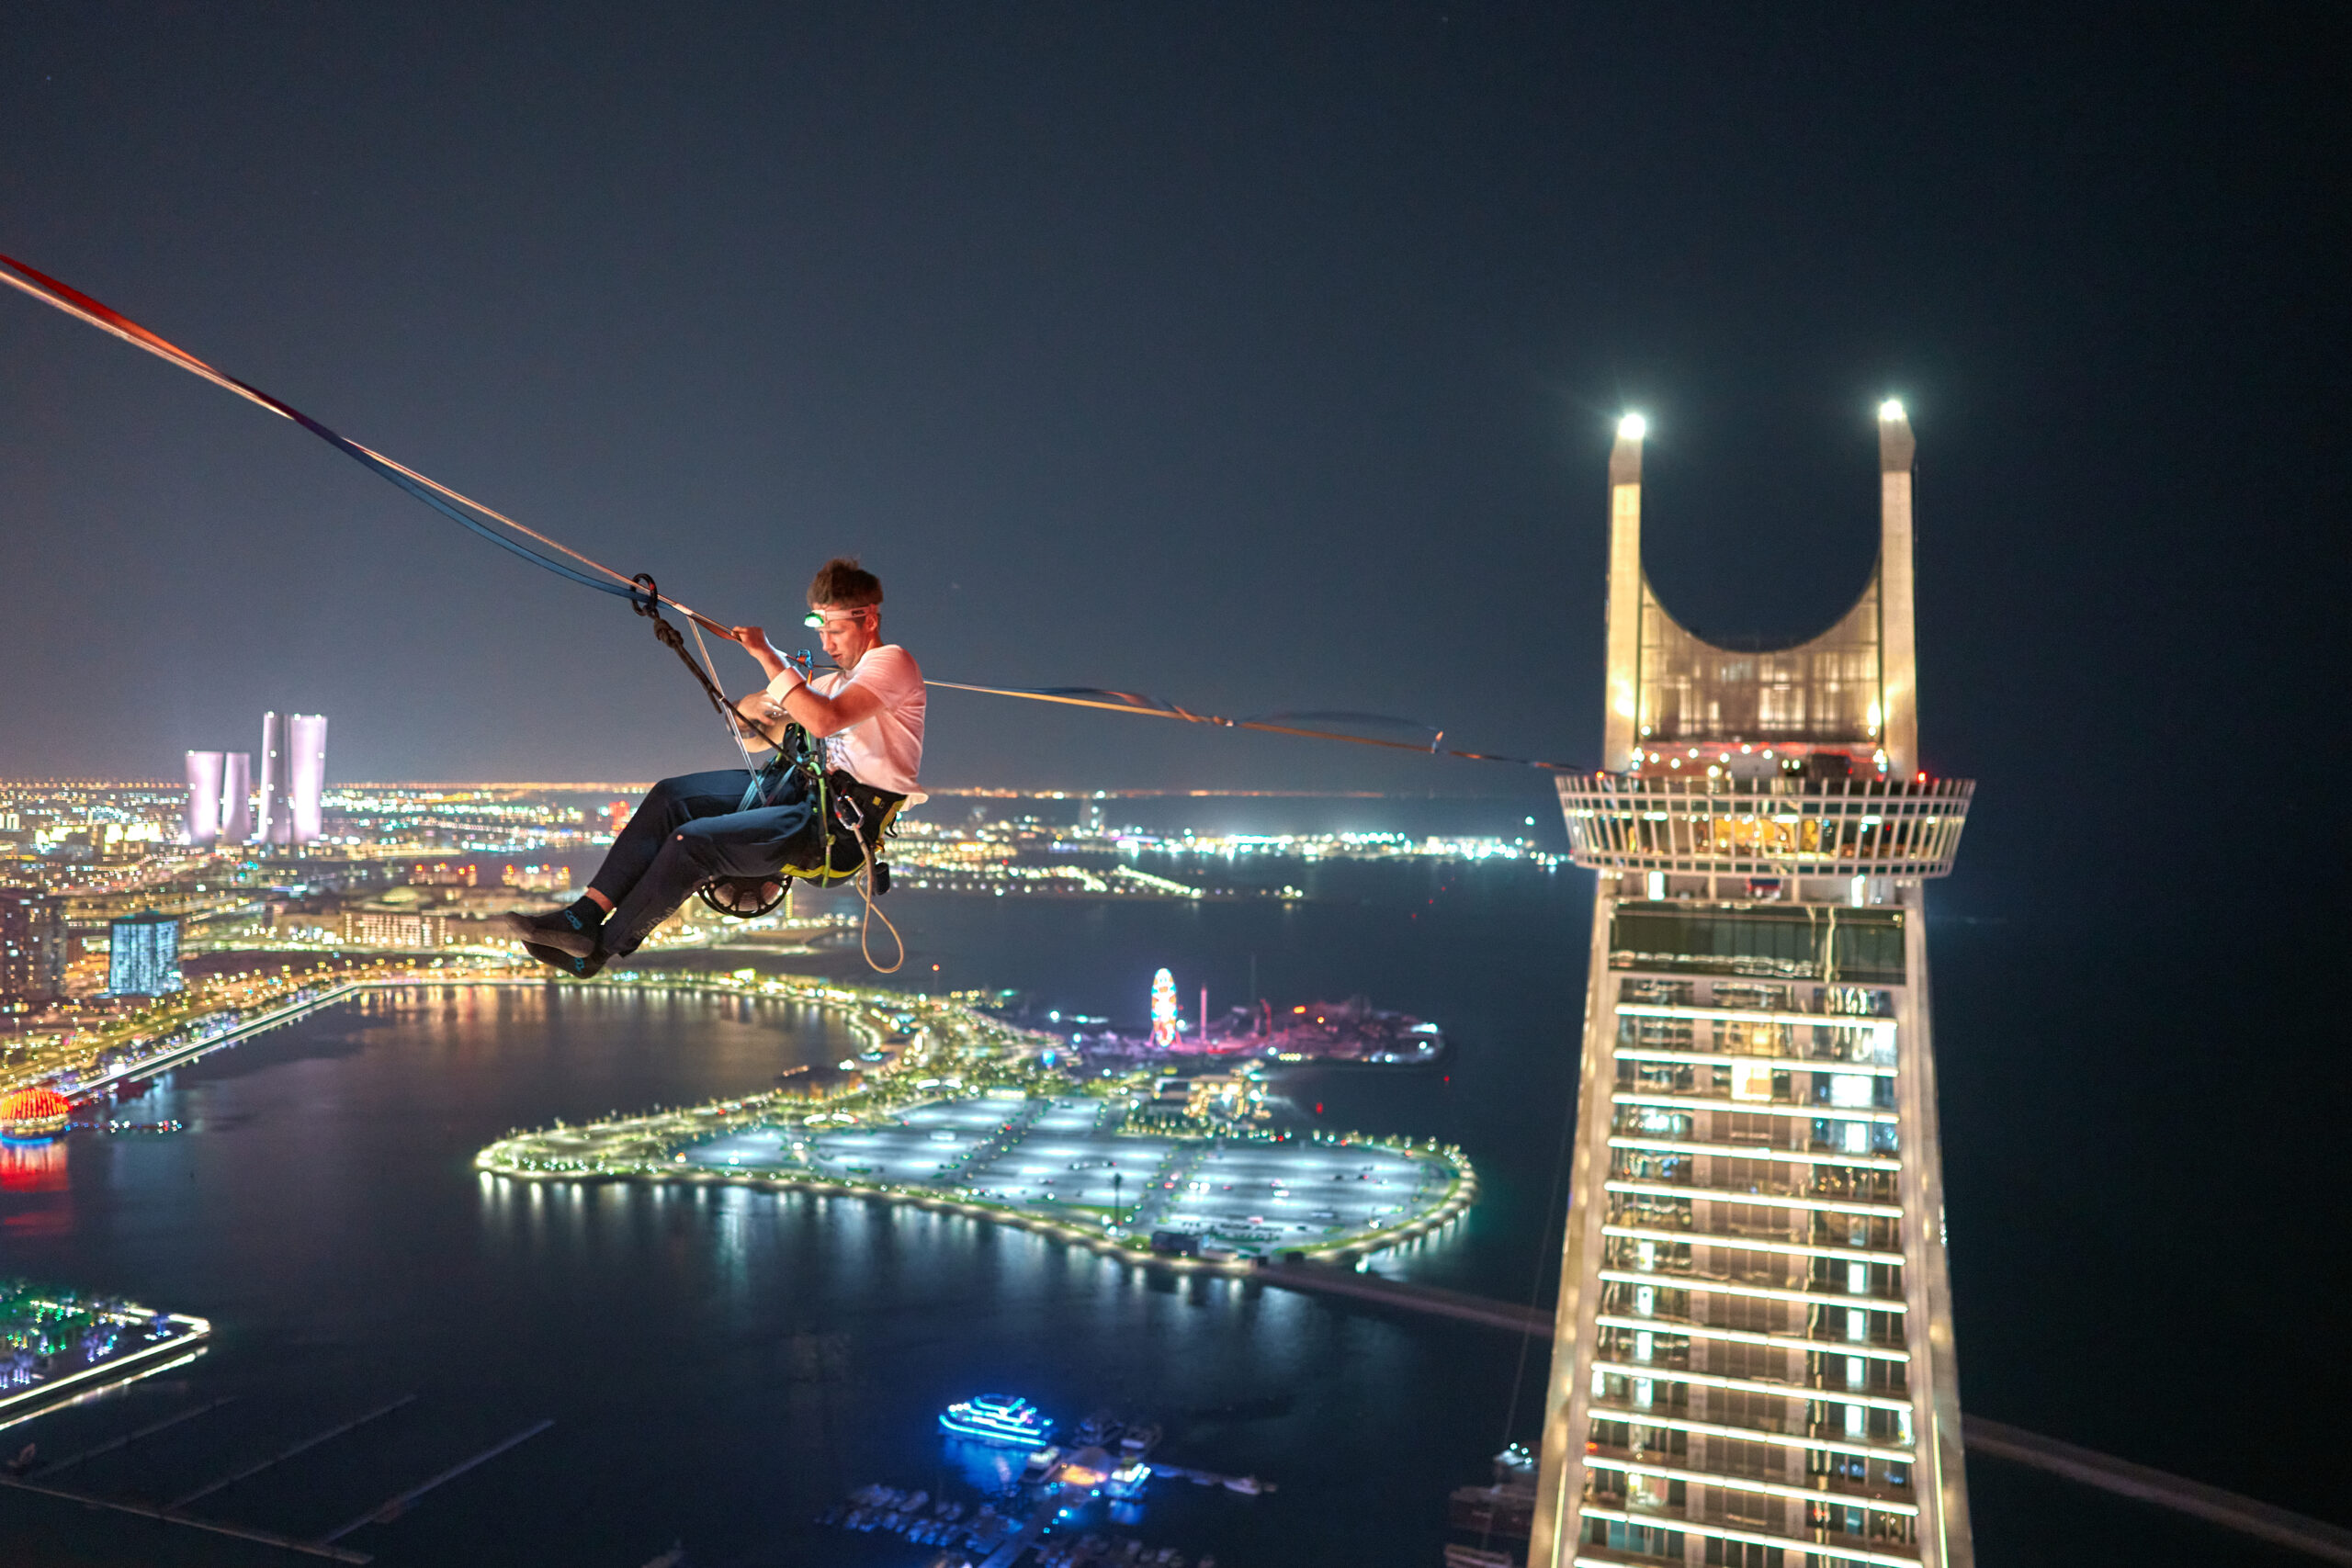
(721, 1364)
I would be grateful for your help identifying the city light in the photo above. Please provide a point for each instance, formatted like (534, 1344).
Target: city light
(1632, 427)
(1890, 410)
(1163, 1009)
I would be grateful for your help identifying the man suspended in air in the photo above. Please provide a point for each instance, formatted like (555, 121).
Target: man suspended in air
(865, 721)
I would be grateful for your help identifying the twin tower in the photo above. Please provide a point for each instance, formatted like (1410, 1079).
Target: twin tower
(1753, 1359)
(221, 794)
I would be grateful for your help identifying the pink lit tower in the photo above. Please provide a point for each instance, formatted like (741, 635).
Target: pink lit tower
(203, 821)
(293, 774)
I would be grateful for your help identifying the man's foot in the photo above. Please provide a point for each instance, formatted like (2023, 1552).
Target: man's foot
(580, 966)
(552, 930)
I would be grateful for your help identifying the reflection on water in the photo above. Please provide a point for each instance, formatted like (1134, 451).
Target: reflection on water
(985, 1467)
(721, 1363)
(36, 1192)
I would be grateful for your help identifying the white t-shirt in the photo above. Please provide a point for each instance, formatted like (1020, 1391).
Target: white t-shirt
(884, 751)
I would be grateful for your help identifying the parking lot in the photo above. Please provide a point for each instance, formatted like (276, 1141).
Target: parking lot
(1065, 1156)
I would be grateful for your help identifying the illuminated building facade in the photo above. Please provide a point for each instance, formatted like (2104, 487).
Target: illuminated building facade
(376, 927)
(306, 772)
(293, 774)
(277, 825)
(1753, 1359)
(203, 820)
(143, 955)
(34, 1114)
(32, 946)
(237, 797)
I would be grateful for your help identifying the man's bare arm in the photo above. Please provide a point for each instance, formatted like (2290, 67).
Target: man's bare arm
(757, 717)
(822, 715)
(755, 642)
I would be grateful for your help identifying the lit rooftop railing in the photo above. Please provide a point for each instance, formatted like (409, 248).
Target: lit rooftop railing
(1765, 827)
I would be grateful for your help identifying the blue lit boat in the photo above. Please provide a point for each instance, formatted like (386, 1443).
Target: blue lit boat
(996, 1419)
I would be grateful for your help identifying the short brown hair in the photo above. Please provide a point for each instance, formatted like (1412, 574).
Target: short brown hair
(842, 581)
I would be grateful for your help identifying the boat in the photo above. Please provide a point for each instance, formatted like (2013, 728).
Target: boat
(1002, 1418)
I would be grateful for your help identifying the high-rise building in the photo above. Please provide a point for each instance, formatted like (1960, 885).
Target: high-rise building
(293, 771)
(203, 826)
(277, 826)
(1753, 1358)
(143, 955)
(237, 797)
(32, 946)
(306, 772)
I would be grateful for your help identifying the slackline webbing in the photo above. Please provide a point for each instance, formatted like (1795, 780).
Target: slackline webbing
(431, 492)
(475, 516)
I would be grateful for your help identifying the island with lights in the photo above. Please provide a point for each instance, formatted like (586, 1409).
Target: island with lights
(960, 1114)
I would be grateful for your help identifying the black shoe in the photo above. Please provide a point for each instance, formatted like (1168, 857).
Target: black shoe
(580, 966)
(550, 931)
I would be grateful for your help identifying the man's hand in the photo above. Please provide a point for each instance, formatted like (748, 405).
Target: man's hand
(755, 642)
(760, 717)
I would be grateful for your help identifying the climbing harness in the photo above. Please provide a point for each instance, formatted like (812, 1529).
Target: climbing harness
(848, 815)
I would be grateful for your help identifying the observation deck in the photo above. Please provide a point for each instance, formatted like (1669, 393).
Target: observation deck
(1783, 826)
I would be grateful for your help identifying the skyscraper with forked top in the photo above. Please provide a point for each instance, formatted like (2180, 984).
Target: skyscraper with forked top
(1753, 1358)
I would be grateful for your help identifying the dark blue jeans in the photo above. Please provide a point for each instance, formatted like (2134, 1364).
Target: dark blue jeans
(686, 831)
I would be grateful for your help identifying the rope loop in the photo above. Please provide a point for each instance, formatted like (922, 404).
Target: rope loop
(645, 595)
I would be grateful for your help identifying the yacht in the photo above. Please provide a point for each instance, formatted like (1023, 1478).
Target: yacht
(996, 1419)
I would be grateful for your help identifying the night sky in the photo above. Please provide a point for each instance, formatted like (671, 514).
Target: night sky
(1263, 358)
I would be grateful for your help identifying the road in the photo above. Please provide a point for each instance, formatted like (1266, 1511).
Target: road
(1993, 1439)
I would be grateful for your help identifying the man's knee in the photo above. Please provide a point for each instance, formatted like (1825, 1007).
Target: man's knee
(699, 843)
(725, 846)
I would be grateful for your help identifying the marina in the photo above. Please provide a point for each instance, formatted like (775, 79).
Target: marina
(996, 1419)
(1064, 1508)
